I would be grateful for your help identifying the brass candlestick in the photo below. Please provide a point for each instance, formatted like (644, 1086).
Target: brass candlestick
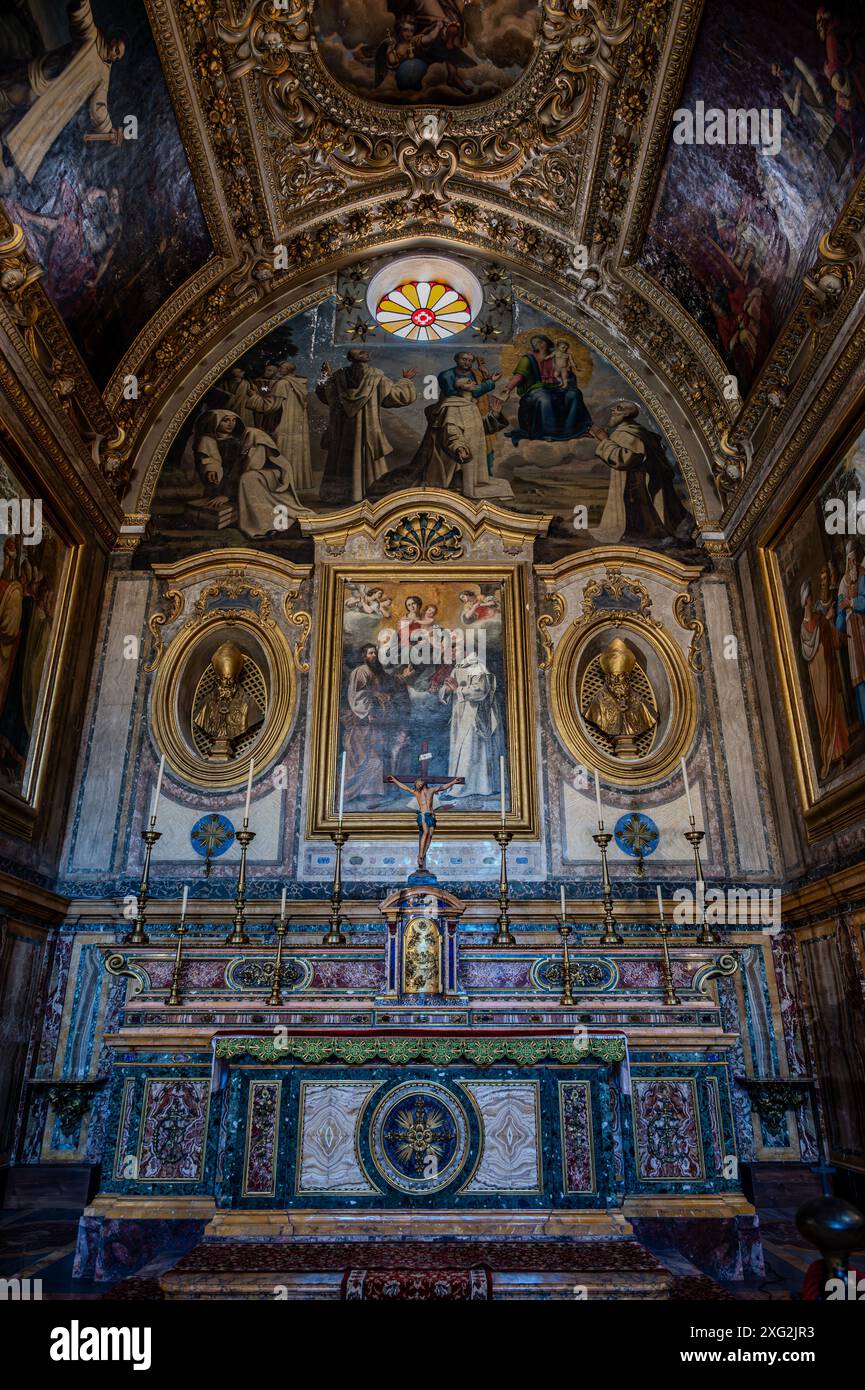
(275, 996)
(565, 931)
(238, 935)
(705, 936)
(670, 995)
(174, 996)
(504, 936)
(138, 936)
(334, 937)
(611, 936)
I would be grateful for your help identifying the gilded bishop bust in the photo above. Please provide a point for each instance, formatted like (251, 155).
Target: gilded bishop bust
(228, 711)
(618, 708)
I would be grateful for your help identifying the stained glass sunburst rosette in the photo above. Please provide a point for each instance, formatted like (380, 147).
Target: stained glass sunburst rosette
(423, 311)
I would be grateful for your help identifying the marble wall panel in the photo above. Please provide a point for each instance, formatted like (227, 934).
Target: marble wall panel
(329, 1112)
(510, 1158)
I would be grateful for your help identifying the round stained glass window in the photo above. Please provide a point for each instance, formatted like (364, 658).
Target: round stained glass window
(424, 311)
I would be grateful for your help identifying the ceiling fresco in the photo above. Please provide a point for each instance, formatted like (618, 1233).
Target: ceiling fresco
(107, 203)
(449, 52)
(736, 226)
(275, 142)
(541, 423)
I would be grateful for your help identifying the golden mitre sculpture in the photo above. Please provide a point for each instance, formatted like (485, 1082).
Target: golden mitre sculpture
(618, 709)
(228, 712)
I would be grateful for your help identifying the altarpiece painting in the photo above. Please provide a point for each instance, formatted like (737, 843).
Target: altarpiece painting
(421, 676)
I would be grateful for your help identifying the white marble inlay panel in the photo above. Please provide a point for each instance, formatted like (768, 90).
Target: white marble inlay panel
(329, 1112)
(510, 1161)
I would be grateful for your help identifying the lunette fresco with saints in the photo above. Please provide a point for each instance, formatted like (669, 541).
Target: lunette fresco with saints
(540, 423)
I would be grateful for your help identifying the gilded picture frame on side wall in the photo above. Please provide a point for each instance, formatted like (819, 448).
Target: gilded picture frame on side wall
(812, 559)
(398, 701)
(40, 576)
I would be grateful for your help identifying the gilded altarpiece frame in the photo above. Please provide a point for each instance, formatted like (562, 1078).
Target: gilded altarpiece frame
(510, 584)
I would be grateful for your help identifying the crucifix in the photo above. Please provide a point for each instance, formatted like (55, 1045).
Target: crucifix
(425, 789)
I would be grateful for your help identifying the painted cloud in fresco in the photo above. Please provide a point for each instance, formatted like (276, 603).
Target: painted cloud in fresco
(736, 227)
(115, 222)
(447, 51)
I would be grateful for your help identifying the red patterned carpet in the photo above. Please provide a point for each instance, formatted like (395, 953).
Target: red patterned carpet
(428, 1270)
(535, 1256)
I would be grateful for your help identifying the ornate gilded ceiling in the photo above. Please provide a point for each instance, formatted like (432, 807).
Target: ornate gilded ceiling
(311, 143)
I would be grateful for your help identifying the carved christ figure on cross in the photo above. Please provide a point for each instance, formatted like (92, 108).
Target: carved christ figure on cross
(424, 794)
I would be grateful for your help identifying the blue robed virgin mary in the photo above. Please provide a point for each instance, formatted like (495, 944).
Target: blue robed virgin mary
(547, 410)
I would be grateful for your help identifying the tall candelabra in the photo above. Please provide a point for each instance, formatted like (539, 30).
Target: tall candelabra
(610, 936)
(670, 995)
(335, 937)
(705, 936)
(275, 996)
(504, 936)
(138, 936)
(565, 931)
(174, 996)
(238, 935)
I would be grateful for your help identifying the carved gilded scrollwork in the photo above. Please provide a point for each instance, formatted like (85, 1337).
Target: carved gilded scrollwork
(545, 622)
(424, 536)
(683, 608)
(233, 585)
(299, 618)
(615, 585)
(157, 621)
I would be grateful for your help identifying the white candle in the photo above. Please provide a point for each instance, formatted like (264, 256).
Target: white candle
(598, 800)
(282, 907)
(687, 789)
(562, 890)
(660, 904)
(502, 786)
(183, 904)
(341, 788)
(156, 791)
(248, 792)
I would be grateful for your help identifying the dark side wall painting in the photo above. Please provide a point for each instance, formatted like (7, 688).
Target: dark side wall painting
(107, 203)
(736, 224)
